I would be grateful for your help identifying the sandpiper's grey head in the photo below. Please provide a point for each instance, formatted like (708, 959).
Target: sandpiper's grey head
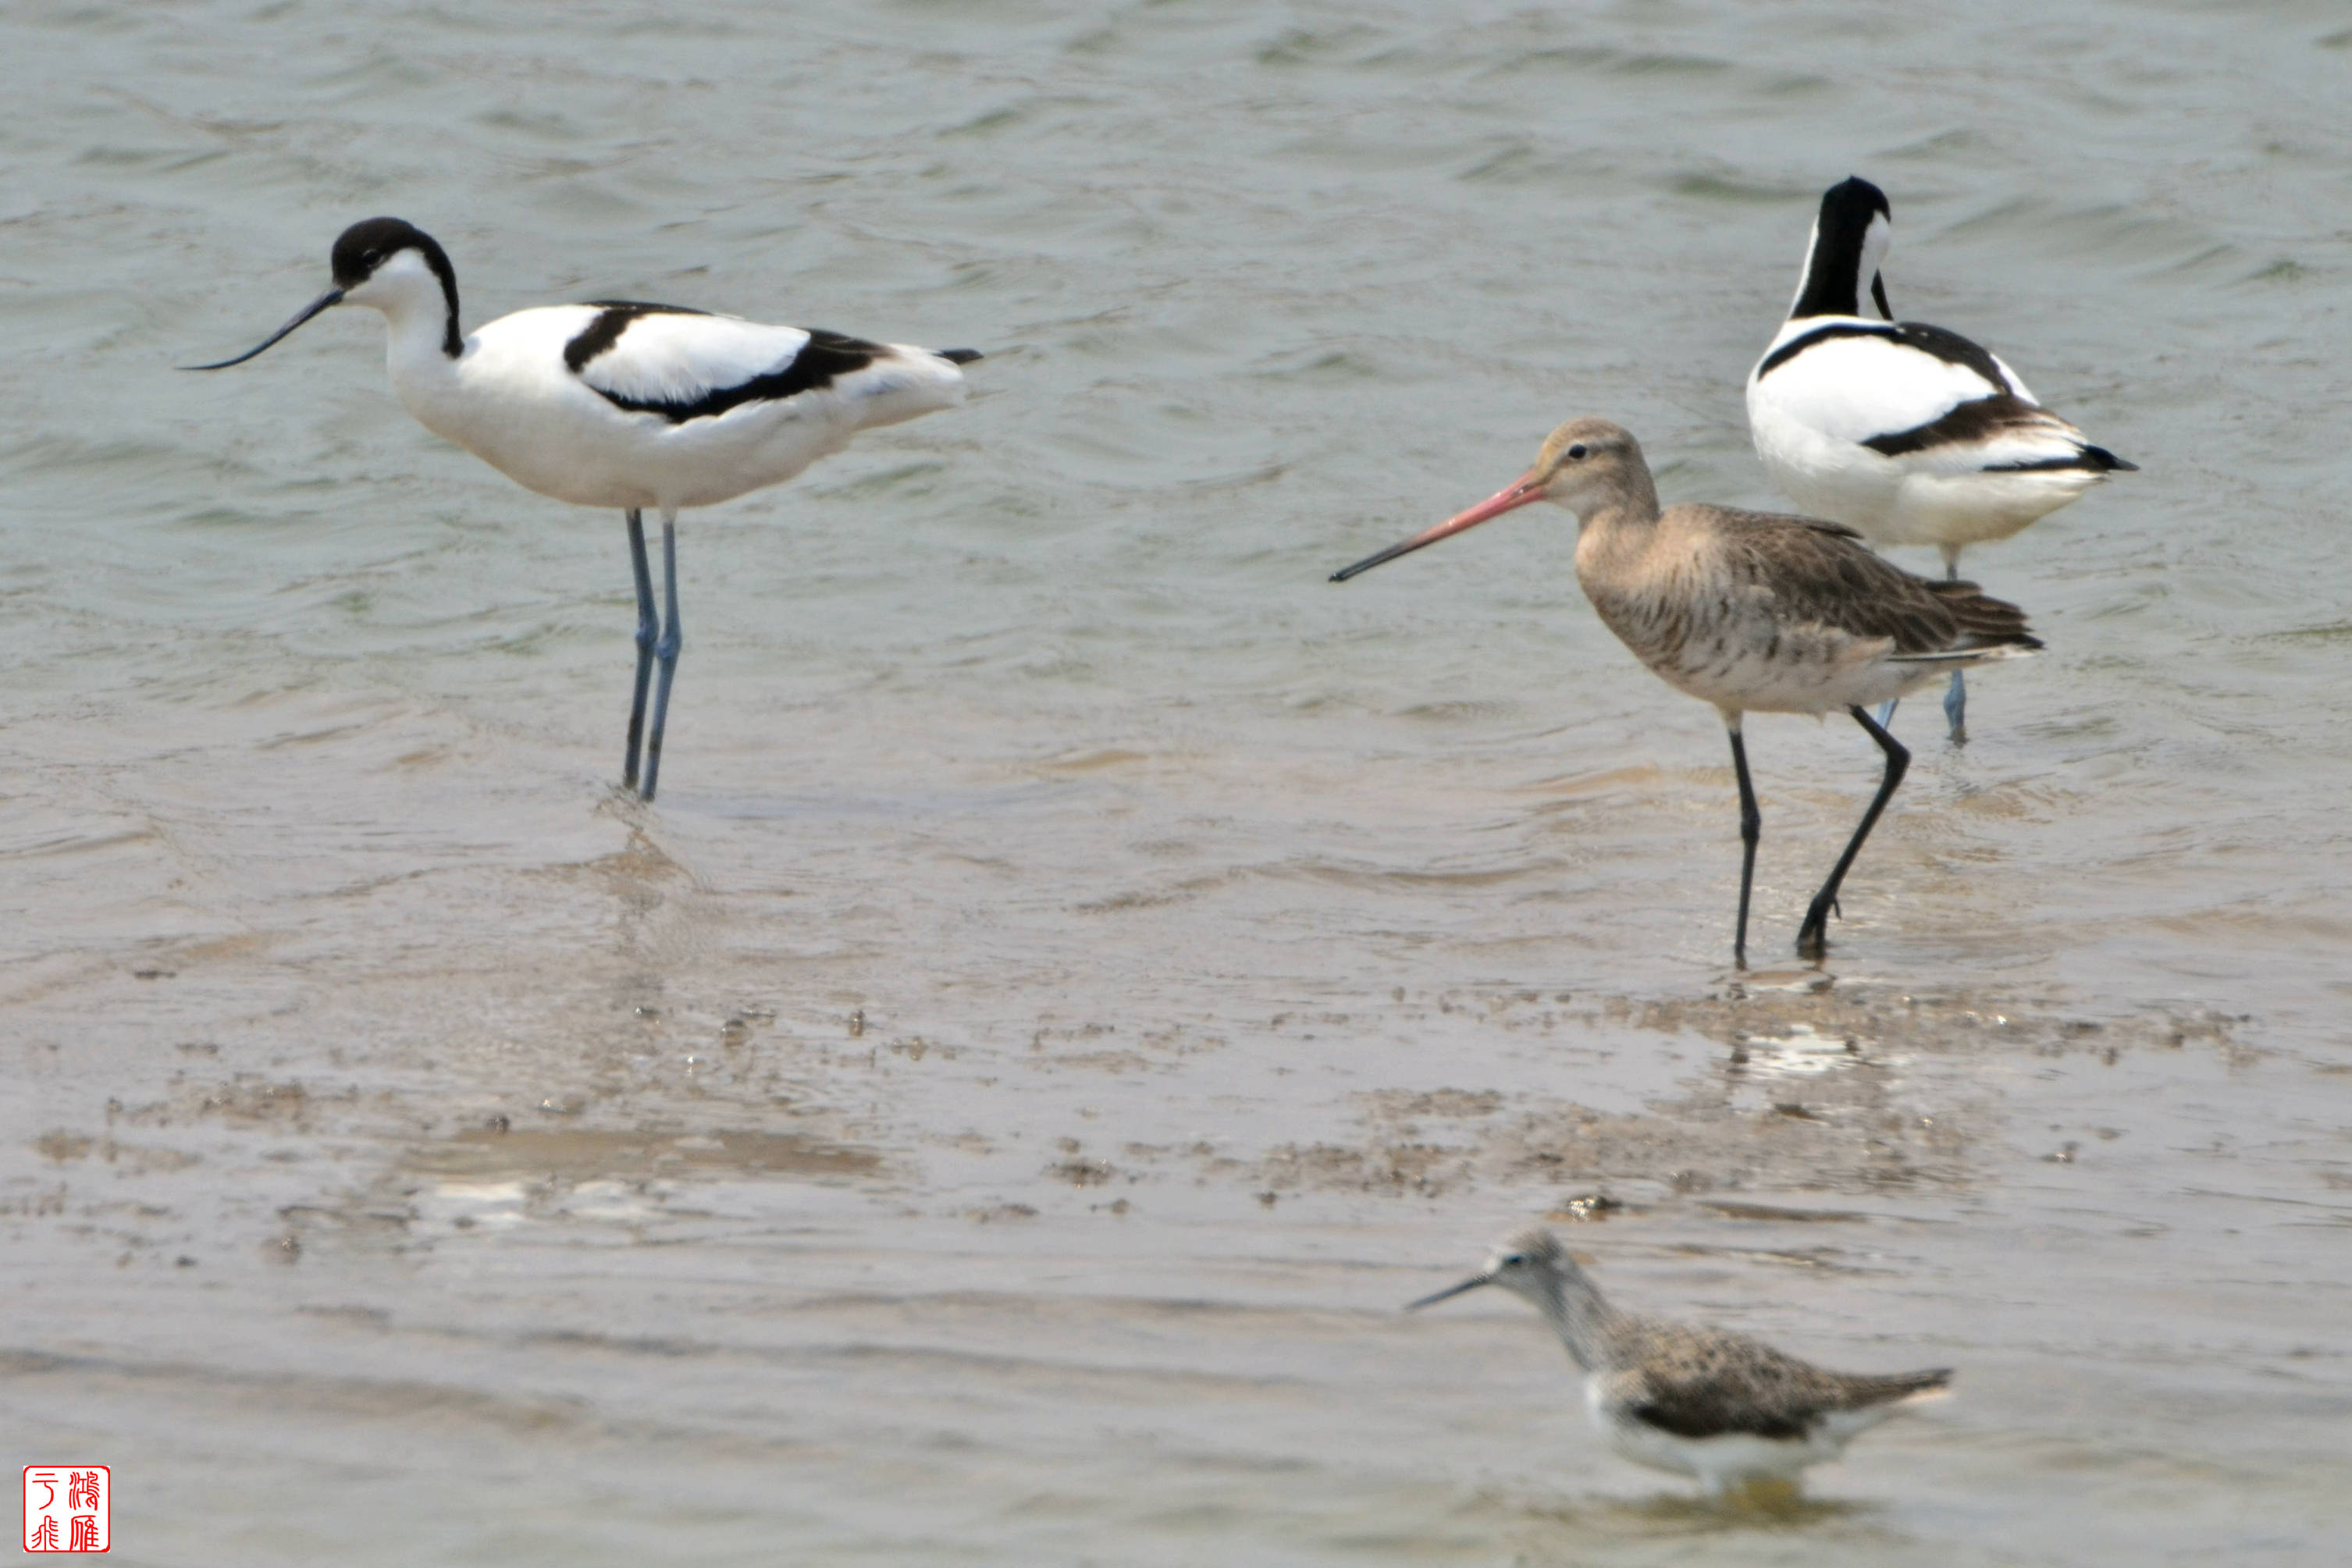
(1530, 1263)
(387, 264)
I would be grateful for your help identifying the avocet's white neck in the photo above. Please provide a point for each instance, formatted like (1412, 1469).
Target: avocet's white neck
(419, 312)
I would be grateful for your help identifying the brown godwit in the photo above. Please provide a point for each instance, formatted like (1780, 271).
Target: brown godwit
(1911, 433)
(1751, 611)
(1702, 1402)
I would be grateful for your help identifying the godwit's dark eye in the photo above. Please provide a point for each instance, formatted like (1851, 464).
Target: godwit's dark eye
(1519, 1260)
(1576, 451)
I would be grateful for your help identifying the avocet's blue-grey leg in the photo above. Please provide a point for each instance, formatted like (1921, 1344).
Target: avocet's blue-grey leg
(1956, 695)
(1751, 827)
(665, 651)
(646, 629)
(1813, 937)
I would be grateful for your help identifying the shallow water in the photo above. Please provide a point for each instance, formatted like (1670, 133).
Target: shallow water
(1083, 972)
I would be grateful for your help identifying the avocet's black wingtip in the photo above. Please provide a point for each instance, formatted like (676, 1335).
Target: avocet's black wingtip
(2108, 459)
(960, 356)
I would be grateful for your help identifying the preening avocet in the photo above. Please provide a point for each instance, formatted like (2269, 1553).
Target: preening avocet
(1912, 434)
(1750, 611)
(620, 403)
(1703, 1402)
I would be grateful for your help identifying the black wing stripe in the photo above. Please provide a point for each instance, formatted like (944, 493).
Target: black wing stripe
(1985, 418)
(1795, 346)
(1979, 419)
(2090, 459)
(1948, 347)
(605, 330)
(825, 356)
(1953, 349)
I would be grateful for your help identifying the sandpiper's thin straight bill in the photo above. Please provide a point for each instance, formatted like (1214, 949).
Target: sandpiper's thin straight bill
(1519, 493)
(1450, 1291)
(331, 297)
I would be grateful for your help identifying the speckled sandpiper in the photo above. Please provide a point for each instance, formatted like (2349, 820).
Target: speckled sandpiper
(1702, 1402)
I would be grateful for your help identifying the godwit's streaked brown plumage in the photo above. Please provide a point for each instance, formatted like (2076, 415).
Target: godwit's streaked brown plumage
(1705, 1402)
(1751, 611)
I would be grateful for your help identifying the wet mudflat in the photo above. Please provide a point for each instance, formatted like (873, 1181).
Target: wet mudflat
(1084, 973)
(694, 1219)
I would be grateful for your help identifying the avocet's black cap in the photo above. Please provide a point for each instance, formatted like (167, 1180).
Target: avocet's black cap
(1855, 195)
(370, 243)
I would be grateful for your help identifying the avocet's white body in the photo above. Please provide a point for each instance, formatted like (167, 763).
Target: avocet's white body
(621, 404)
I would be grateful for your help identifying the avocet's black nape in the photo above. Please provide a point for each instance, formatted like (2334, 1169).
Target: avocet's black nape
(1834, 272)
(370, 243)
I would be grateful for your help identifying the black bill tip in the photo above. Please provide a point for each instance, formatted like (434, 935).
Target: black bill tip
(1377, 559)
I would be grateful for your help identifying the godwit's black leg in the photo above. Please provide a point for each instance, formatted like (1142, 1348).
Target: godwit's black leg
(1751, 827)
(1813, 937)
(646, 630)
(665, 651)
